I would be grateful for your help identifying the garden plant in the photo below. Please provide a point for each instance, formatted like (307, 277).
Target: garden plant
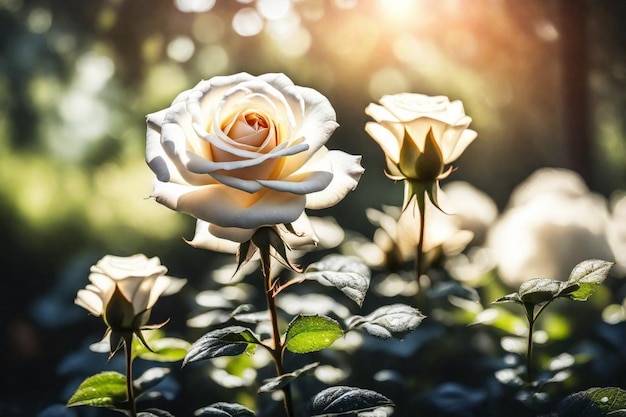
(246, 156)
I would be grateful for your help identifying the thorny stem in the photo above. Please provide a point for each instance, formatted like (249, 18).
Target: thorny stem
(130, 394)
(276, 347)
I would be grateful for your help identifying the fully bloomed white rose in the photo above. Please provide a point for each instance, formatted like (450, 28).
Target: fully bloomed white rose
(419, 134)
(123, 290)
(242, 152)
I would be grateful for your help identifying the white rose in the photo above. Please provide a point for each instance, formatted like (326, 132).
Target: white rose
(123, 290)
(407, 124)
(398, 233)
(241, 152)
(552, 222)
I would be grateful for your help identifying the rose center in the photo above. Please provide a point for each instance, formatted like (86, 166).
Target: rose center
(256, 121)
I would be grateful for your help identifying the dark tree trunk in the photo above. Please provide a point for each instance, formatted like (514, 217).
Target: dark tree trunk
(575, 86)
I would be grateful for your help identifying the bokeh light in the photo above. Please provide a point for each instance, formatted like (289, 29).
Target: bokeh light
(247, 22)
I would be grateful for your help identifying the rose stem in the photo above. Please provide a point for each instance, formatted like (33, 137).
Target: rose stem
(419, 252)
(277, 347)
(128, 349)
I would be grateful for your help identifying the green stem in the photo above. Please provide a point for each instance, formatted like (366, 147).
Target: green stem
(130, 394)
(419, 251)
(532, 319)
(277, 347)
(529, 351)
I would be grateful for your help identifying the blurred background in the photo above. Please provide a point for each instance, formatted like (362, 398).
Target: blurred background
(543, 80)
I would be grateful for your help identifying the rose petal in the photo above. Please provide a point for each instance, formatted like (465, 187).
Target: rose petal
(158, 287)
(346, 170)
(105, 284)
(305, 234)
(406, 107)
(120, 267)
(210, 92)
(418, 130)
(230, 207)
(204, 239)
(318, 124)
(179, 146)
(200, 165)
(380, 114)
(130, 289)
(156, 158)
(90, 301)
(460, 145)
(389, 143)
(303, 183)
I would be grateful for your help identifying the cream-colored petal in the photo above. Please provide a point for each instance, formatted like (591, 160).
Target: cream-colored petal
(409, 106)
(301, 183)
(389, 143)
(418, 130)
(380, 113)
(346, 170)
(248, 158)
(105, 284)
(317, 125)
(277, 79)
(232, 234)
(305, 236)
(121, 267)
(90, 301)
(185, 139)
(249, 186)
(131, 289)
(462, 143)
(210, 92)
(159, 287)
(204, 239)
(175, 142)
(156, 158)
(142, 295)
(228, 207)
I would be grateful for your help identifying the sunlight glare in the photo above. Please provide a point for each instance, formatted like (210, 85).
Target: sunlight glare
(397, 9)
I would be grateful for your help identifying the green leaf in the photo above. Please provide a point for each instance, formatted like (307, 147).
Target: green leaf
(396, 320)
(106, 389)
(167, 349)
(348, 274)
(150, 378)
(509, 298)
(584, 278)
(223, 409)
(609, 401)
(311, 333)
(229, 341)
(501, 318)
(278, 383)
(539, 290)
(343, 400)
